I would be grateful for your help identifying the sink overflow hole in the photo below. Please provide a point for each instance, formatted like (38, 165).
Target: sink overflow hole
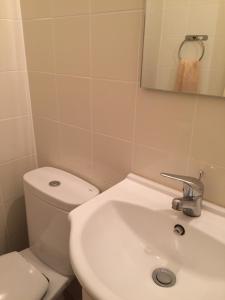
(164, 277)
(179, 229)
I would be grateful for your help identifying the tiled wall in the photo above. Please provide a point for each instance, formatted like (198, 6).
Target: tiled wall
(16, 136)
(91, 117)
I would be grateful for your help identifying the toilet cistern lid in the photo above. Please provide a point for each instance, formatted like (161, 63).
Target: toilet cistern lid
(19, 279)
(59, 188)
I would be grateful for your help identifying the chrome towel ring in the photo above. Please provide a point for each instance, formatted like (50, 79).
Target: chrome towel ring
(194, 38)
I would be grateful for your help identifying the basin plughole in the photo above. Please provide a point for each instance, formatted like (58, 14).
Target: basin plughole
(120, 237)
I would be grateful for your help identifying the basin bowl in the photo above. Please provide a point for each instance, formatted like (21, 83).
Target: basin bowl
(120, 237)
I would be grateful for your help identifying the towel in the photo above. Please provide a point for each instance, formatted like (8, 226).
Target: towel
(187, 76)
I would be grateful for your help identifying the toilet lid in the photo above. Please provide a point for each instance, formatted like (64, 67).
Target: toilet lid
(19, 279)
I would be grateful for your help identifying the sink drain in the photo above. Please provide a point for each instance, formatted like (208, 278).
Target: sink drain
(164, 277)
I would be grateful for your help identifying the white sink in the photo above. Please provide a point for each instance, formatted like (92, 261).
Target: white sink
(121, 236)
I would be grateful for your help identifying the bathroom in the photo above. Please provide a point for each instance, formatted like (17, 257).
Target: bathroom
(114, 92)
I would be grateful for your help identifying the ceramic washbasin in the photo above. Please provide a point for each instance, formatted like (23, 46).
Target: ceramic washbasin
(121, 236)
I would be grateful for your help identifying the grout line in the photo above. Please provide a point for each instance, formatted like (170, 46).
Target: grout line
(192, 134)
(91, 84)
(84, 77)
(55, 18)
(114, 80)
(113, 137)
(10, 19)
(74, 126)
(70, 75)
(154, 149)
(62, 123)
(13, 71)
(136, 93)
(134, 128)
(27, 115)
(114, 12)
(9, 162)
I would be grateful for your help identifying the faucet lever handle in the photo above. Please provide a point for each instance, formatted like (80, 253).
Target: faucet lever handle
(195, 184)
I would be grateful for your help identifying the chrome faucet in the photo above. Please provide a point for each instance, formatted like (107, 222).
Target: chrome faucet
(193, 189)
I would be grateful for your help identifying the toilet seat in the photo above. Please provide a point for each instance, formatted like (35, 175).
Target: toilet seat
(20, 280)
(57, 282)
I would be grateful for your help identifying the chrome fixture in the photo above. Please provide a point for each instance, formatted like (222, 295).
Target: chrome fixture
(54, 183)
(194, 38)
(164, 277)
(193, 189)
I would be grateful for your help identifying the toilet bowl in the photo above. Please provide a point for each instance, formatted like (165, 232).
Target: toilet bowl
(43, 270)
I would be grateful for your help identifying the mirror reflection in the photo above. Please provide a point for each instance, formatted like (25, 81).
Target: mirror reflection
(184, 46)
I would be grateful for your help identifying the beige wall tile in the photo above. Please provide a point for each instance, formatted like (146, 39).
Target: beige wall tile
(164, 121)
(112, 161)
(115, 41)
(9, 9)
(43, 95)
(151, 162)
(70, 7)
(35, 9)
(13, 94)
(104, 6)
(11, 177)
(47, 141)
(71, 45)
(208, 141)
(114, 104)
(21, 144)
(19, 47)
(74, 100)
(38, 43)
(11, 56)
(75, 150)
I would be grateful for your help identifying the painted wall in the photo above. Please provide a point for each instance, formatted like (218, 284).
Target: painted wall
(91, 117)
(16, 133)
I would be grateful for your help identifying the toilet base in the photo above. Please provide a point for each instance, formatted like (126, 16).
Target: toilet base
(57, 282)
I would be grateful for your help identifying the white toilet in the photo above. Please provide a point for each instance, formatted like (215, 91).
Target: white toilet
(43, 270)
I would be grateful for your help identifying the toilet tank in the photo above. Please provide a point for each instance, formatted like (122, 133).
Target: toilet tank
(50, 194)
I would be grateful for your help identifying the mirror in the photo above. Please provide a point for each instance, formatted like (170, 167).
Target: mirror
(184, 46)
